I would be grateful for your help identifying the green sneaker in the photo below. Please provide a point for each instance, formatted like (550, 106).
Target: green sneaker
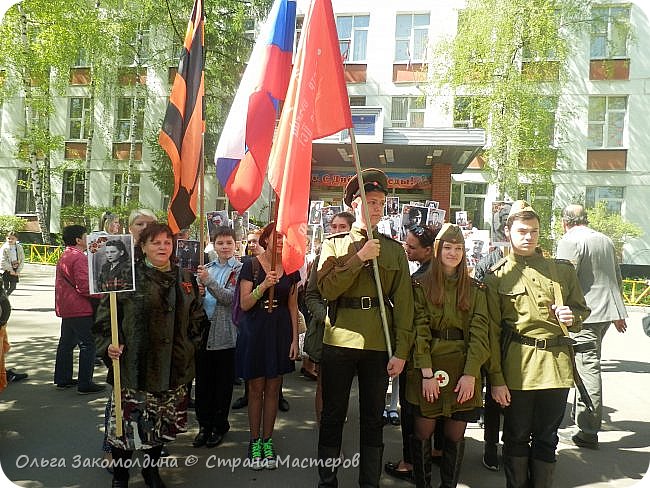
(270, 460)
(255, 454)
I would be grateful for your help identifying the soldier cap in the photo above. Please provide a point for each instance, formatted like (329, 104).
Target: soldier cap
(520, 206)
(448, 233)
(373, 180)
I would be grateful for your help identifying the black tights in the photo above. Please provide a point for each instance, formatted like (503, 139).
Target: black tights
(454, 429)
(121, 456)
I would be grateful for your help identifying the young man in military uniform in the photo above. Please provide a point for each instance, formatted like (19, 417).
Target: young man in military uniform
(354, 340)
(533, 301)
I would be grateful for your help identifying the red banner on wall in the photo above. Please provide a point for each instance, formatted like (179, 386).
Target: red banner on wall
(419, 181)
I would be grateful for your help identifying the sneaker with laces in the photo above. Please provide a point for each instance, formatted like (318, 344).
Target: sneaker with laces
(255, 454)
(270, 459)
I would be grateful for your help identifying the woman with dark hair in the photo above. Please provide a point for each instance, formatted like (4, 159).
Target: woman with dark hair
(451, 345)
(267, 344)
(116, 271)
(161, 326)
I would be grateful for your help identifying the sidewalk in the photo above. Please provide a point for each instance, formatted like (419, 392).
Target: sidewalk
(41, 426)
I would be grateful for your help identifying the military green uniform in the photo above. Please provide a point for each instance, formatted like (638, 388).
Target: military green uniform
(536, 364)
(520, 295)
(341, 274)
(455, 357)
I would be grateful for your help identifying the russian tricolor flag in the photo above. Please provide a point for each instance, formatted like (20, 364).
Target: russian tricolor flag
(243, 151)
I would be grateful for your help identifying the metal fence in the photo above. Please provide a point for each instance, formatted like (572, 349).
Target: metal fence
(42, 254)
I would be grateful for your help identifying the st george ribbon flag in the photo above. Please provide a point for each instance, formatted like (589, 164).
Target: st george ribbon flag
(243, 151)
(182, 132)
(316, 106)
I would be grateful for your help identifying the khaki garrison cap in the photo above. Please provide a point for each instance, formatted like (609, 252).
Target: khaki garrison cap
(448, 233)
(520, 206)
(373, 180)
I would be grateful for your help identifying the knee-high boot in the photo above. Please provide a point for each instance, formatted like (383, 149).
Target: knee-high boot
(327, 457)
(421, 453)
(541, 473)
(120, 472)
(150, 473)
(370, 466)
(452, 459)
(516, 468)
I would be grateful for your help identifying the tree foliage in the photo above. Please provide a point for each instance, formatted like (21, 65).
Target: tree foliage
(509, 59)
(613, 225)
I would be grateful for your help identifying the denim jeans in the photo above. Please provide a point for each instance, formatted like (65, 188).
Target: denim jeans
(338, 368)
(75, 331)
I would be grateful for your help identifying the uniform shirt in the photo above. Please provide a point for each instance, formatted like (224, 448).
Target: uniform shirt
(520, 294)
(342, 274)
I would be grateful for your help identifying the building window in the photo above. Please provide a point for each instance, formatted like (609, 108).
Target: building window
(73, 188)
(612, 195)
(408, 111)
(610, 29)
(471, 198)
(123, 121)
(357, 101)
(353, 37)
(467, 113)
(78, 118)
(300, 19)
(135, 52)
(606, 122)
(411, 38)
(24, 196)
(119, 188)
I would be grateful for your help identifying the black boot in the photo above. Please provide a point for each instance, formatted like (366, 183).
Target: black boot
(516, 468)
(327, 456)
(541, 474)
(120, 473)
(452, 459)
(421, 452)
(370, 466)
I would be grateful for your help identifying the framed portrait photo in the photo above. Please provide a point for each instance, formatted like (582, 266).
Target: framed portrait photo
(110, 263)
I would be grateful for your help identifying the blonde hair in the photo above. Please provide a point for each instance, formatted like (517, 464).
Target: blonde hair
(141, 212)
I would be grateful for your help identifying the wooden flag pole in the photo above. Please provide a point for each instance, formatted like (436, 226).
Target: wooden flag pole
(202, 202)
(274, 218)
(375, 266)
(117, 387)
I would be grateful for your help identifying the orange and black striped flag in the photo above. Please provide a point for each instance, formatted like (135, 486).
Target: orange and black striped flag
(182, 132)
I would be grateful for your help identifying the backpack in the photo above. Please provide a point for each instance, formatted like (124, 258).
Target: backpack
(237, 311)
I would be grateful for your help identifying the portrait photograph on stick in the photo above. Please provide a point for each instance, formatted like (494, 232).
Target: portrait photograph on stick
(110, 263)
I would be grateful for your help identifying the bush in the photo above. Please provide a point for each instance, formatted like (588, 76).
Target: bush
(11, 223)
(613, 225)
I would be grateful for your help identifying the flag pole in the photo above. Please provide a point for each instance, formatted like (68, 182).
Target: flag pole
(274, 218)
(375, 266)
(202, 201)
(117, 386)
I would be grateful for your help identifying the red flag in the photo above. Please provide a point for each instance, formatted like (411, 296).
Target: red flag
(316, 106)
(182, 132)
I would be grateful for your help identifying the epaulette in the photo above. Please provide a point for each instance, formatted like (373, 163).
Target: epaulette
(338, 234)
(498, 264)
(478, 284)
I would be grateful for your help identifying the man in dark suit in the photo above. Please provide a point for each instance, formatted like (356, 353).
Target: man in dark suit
(594, 257)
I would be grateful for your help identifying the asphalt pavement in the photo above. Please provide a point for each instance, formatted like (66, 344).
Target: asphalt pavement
(51, 438)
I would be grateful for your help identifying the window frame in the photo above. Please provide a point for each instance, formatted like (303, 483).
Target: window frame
(605, 123)
(412, 56)
(24, 191)
(611, 22)
(614, 204)
(410, 111)
(353, 40)
(73, 187)
(118, 188)
(83, 120)
(139, 126)
(458, 193)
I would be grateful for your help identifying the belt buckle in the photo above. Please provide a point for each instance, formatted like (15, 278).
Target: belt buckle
(366, 303)
(265, 304)
(540, 343)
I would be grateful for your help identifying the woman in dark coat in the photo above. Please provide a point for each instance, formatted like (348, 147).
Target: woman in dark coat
(161, 325)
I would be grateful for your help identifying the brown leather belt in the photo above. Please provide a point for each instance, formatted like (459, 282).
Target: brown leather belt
(449, 334)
